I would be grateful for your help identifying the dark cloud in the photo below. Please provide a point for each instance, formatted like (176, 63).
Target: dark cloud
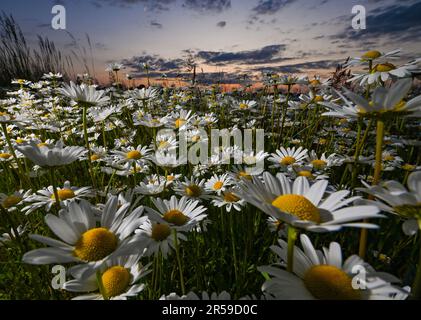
(101, 46)
(149, 5)
(302, 67)
(268, 54)
(397, 22)
(221, 24)
(265, 7)
(156, 24)
(207, 5)
(156, 62)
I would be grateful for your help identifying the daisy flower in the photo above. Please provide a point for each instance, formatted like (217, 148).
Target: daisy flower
(373, 55)
(183, 214)
(243, 172)
(301, 205)
(165, 142)
(51, 156)
(151, 185)
(145, 94)
(394, 198)
(84, 94)
(385, 101)
(46, 198)
(6, 237)
(179, 120)
(83, 240)
(132, 154)
(287, 157)
(119, 277)
(252, 158)
(245, 105)
(385, 71)
(193, 188)
(229, 199)
(159, 237)
(323, 162)
(10, 202)
(218, 184)
(322, 275)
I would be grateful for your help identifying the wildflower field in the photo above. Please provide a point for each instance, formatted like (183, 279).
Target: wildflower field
(311, 188)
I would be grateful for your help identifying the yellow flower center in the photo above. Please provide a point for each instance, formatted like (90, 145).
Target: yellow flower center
(409, 211)
(319, 164)
(95, 244)
(218, 185)
(408, 167)
(95, 157)
(10, 201)
(179, 122)
(20, 141)
(170, 178)
(243, 106)
(322, 141)
(298, 206)
(245, 175)
(230, 197)
(373, 54)
(318, 99)
(389, 157)
(64, 194)
(305, 173)
(160, 232)
(193, 191)
(163, 144)
(330, 283)
(195, 138)
(42, 144)
(134, 155)
(286, 161)
(5, 155)
(384, 67)
(401, 105)
(176, 217)
(314, 82)
(115, 281)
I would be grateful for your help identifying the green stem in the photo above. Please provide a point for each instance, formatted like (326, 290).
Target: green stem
(85, 134)
(233, 249)
(376, 179)
(101, 285)
(54, 184)
(284, 113)
(292, 237)
(21, 171)
(177, 253)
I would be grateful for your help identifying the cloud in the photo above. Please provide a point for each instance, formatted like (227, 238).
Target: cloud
(101, 46)
(221, 24)
(149, 5)
(302, 67)
(267, 7)
(396, 22)
(156, 24)
(216, 6)
(156, 62)
(268, 54)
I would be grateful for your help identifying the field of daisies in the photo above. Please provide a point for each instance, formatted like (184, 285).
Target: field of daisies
(97, 203)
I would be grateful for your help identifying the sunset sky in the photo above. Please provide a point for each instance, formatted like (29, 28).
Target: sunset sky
(230, 36)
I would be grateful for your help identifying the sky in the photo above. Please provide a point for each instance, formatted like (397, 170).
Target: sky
(226, 38)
